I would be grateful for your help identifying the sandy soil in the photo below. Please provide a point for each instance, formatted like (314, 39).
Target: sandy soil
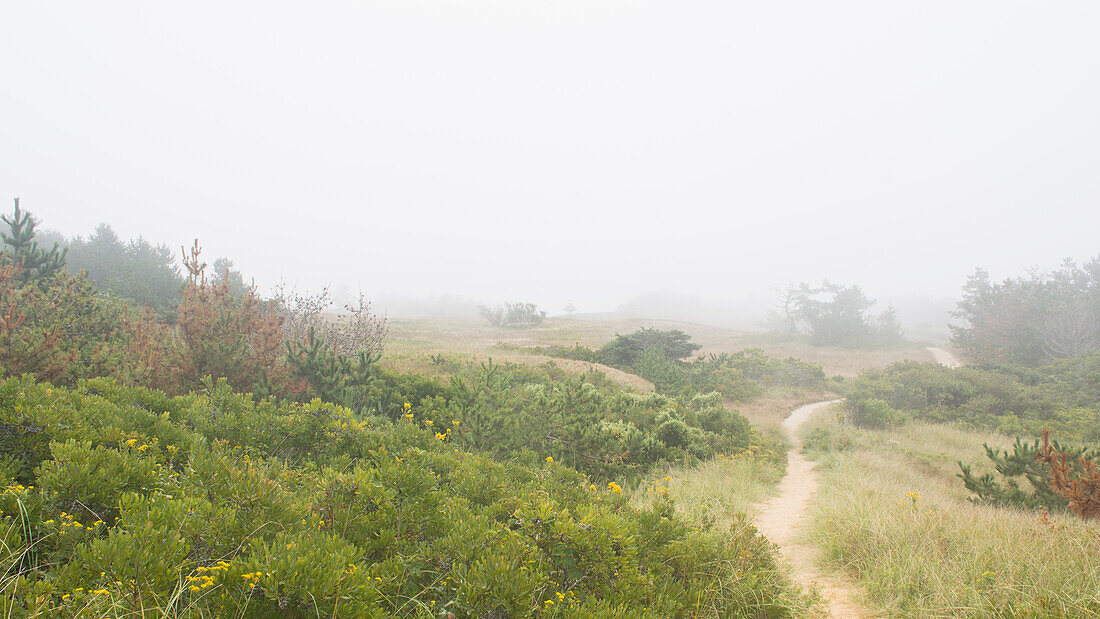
(945, 357)
(781, 519)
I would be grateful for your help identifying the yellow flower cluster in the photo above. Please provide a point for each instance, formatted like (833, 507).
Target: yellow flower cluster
(562, 598)
(17, 489)
(132, 442)
(252, 577)
(616, 488)
(67, 523)
(549, 459)
(206, 576)
(662, 490)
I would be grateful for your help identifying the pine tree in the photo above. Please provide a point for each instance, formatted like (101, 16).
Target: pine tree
(335, 378)
(35, 263)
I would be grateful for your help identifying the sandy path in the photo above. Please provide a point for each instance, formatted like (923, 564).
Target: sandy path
(944, 357)
(782, 517)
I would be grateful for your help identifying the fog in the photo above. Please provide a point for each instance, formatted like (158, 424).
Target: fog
(593, 152)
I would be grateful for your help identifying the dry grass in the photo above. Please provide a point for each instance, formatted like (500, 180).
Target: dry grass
(846, 362)
(767, 413)
(412, 342)
(936, 554)
(713, 491)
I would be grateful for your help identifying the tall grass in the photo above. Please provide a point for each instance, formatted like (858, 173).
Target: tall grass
(721, 494)
(891, 513)
(715, 490)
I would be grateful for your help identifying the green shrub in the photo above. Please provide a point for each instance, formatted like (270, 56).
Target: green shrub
(519, 315)
(1021, 479)
(223, 506)
(627, 350)
(598, 429)
(1007, 400)
(575, 352)
(872, 413)
(90, 481)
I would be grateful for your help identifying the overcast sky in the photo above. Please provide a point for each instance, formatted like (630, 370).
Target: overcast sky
(566, 150)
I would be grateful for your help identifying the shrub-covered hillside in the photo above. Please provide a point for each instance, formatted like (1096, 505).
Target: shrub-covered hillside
(120, 501)
(1062, 397)
(252, 458)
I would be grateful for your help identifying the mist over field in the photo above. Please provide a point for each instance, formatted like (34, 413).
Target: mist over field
(678, 159)
(550, 309)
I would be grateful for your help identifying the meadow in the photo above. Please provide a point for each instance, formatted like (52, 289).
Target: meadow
(213, 452)
(412, 342)
(245, 457)
(893, 515)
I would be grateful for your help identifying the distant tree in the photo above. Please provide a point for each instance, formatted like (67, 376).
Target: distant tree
(1071, 320)
(787, 304)
(1033, 320)
(22, 251)
(836, 315)
(570, 308)
(521, 315)
(225, 274)
(495, 315)
(887, 328)
(626, 351)
(136, 270)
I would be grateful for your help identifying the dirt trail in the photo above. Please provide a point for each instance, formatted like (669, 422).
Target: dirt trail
(781, 519)
(944, 357)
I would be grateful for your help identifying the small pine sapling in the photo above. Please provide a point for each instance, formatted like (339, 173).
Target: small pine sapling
(1075, 477)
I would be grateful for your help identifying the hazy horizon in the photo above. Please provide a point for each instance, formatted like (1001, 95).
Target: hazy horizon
(504, 151)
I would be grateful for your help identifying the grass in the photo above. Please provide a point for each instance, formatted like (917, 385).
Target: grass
(767, 413)
(712, 492)
(721, 494)
(411, 344)
(892, 514)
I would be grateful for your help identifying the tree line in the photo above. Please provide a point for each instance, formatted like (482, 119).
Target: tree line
(1032, 320)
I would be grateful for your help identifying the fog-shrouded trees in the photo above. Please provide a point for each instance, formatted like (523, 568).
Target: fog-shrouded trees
(627, 350)
(135, 270)
(519, 315)
(836, 315)
(1031, 320)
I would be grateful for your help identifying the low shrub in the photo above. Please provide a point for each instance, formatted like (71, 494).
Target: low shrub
(872, 413)
(1013, 402)
(215, 504)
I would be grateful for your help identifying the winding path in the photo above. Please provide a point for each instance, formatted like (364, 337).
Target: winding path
(782, 518)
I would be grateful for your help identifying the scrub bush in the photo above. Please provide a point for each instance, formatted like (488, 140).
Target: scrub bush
(598, 429)
(216, 504)
(1007, 400)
